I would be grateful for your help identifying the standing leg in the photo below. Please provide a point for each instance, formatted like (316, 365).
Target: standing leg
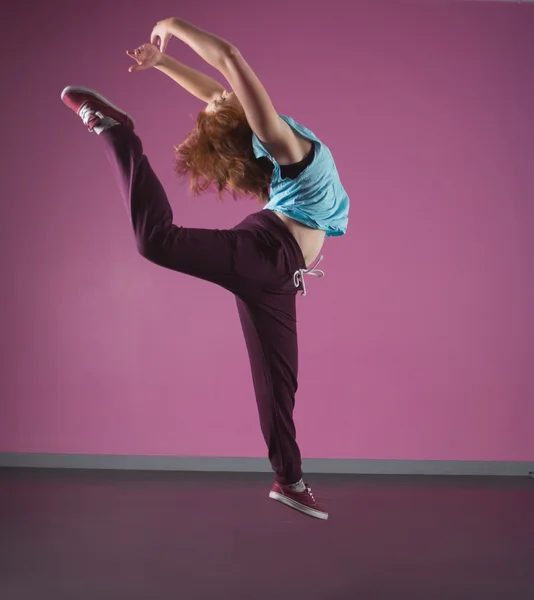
(271, 338)
(270, 330)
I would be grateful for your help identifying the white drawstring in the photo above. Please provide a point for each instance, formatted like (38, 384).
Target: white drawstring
(298, 277)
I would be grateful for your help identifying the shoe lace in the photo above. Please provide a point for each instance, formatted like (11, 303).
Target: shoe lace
(308, 489)
(87, 113)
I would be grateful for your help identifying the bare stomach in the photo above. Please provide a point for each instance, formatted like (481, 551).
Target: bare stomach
(310, 240)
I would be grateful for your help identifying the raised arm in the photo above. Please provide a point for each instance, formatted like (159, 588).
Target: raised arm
(274, 132)
(202, 86)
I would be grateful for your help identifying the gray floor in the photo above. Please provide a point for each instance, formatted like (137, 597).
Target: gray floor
(146, 535)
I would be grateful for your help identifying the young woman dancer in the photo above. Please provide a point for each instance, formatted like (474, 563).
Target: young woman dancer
(241, 144)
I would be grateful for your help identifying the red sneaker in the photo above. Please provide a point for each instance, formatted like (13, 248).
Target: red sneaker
(302, 501)
(92, 107)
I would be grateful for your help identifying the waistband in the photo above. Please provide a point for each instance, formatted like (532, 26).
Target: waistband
(268, 220)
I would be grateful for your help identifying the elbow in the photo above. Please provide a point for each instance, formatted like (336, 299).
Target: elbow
(228, 54)
(231, 51)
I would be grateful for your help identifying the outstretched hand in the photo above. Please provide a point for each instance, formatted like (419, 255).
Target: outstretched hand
(162, 33)
(147, 56)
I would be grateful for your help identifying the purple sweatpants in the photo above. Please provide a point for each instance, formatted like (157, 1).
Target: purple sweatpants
(256, 261)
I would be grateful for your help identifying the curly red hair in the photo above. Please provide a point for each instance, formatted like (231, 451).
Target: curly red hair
(218, 154)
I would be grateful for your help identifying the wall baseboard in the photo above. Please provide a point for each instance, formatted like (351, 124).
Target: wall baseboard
(261, 465)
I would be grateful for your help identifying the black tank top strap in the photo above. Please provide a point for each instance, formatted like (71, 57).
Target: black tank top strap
(293, 171)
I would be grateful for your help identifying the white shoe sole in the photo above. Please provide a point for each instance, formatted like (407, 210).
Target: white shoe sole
(77, 88)
(297, 506)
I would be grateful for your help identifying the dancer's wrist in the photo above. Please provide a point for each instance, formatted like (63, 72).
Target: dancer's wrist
(162, 60)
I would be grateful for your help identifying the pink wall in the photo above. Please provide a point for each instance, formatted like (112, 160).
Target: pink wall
(418, 344)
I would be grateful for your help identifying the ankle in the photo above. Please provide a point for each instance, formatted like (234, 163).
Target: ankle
(300, 486)
(104, 124)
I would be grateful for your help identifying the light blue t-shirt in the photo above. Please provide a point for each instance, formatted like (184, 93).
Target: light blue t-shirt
(316, 197)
